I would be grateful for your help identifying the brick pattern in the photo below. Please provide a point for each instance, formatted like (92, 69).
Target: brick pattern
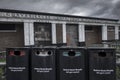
(72, 35)
(94, 36)
(12, 39)
(16, 39)
(59, 33)
(111, 35)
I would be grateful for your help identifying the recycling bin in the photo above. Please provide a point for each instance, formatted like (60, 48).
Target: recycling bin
(70, 63)
(17, 64)
(43, 63)
(102, 63)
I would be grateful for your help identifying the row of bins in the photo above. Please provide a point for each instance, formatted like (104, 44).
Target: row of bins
(63, 63)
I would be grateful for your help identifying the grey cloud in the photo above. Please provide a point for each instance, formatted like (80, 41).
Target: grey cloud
(97, 8)
(45, 5)
(106, 9)
(116, 10)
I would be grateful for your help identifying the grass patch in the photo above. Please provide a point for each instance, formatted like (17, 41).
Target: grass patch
(118, 72)
(2, 71)
(2, 60)
(2, 56)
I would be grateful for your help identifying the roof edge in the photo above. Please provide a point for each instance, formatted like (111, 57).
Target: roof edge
(53, 14)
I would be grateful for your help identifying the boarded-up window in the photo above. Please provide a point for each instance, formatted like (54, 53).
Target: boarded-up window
(72, 34)
(42, 34)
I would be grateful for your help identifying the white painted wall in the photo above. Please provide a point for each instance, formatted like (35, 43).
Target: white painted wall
(31, 32)
(64, 32)
(54, 33)
(81, 32)
(116, 32)
(28, 33)
(104, 32)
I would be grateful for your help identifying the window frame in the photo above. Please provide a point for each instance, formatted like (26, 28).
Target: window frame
(91, 30)
(8, 30)
(110, 28)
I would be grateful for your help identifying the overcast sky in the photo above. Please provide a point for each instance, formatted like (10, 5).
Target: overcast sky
(93, 8)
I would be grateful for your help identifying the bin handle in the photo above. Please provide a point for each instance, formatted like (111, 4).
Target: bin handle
(71, 54)
(102, 54)
(43, 53)
(16, 53)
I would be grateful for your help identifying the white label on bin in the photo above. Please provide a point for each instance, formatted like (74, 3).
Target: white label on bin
(43, 70)
(16, 69)
(101, 71)
(72, 71)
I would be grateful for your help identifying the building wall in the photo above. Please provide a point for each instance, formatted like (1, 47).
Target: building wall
(12, 39)
(47, 21)
(93, 36)
(111, 33)
(59, 36)
(72, 34)
(16, 39)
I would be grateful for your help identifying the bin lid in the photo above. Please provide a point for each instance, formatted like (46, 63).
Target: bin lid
(100, 48)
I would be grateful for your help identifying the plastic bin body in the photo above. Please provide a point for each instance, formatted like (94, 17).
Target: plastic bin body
(71, 64)
(17, 63)
(102, 63)
(43, 64)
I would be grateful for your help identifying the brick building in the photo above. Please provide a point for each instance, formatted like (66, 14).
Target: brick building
(27, 28)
